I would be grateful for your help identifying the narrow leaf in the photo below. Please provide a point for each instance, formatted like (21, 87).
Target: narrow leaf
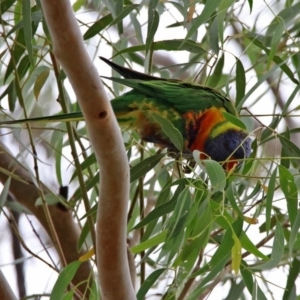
(290, 191)
(98, 26)
(247, 276)
(240, 81)
(216, 174)
(125, 12)
(153, 21)
(278, 60)
(269, 199)
(276, 37)
(236, 254)
(148, 283)
(234, 120)
(290, 288)
(222, 11)
(170, 131)
(151, 242)
(277, 250)
(159, 211)
(168, 45)
(64, 280)
(26, 12)
(294, 233)
(4, 193)
(250, 247)
(209, 8)
(144, 166)
(40, 82)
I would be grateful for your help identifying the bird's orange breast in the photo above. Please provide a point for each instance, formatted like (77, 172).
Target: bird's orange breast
(206, 122)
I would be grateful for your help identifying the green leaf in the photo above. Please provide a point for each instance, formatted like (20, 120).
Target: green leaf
(261, 80)
(268, 131)
(276, 37)
(290, 288)
(257, 293)
(277, 250)
(153, 21)
(36, 17)
(151, 242)
(290, 192)
(236, 254)
(5, 5)
(159, 211)
(214, 37)
(290, 100)
(85, 231)
(285, 153)
(69, 295)
(211, 275)
(198, 238)
(124, 13)
(222, 11)
(231, 198)
(98, 26)
(280, 63)
(250, 5)
(40, 82)
(170, 131)
(294, 232)
(23, 66)
(216, 174)
(250, 247)
(289, 15)
(291, 147)
(144, 166)
(176, 224)
(181, 209)
(240, 81)
(208, 10)
(4, 193)
(163, 197)
(12, 96)
(236, 290)
(92, 211)
(215, 78)
(26, 12)
(89, 161)
(58, 157)
(234, 120)
(50, 199)
(269, 199)
(168, 45)
(148, 283)
(90, 183)
(247, 276)
(78, 4)
(64, 280)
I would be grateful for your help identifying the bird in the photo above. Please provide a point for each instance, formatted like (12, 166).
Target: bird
(195, 110)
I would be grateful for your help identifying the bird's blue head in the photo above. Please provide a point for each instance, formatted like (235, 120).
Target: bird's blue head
(231, 145)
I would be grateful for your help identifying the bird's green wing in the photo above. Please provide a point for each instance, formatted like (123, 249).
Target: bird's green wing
(182, 96)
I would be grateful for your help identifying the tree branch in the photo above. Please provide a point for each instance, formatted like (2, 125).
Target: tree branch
(108, 146)
(26, 193)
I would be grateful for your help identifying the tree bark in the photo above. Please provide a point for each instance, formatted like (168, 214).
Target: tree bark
(106, 140)
(26, 193)
(6, 292)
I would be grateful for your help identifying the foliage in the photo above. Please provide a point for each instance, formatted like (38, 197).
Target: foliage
(201, 230)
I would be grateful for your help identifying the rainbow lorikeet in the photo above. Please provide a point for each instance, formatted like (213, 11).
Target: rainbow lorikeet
(195, 110)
